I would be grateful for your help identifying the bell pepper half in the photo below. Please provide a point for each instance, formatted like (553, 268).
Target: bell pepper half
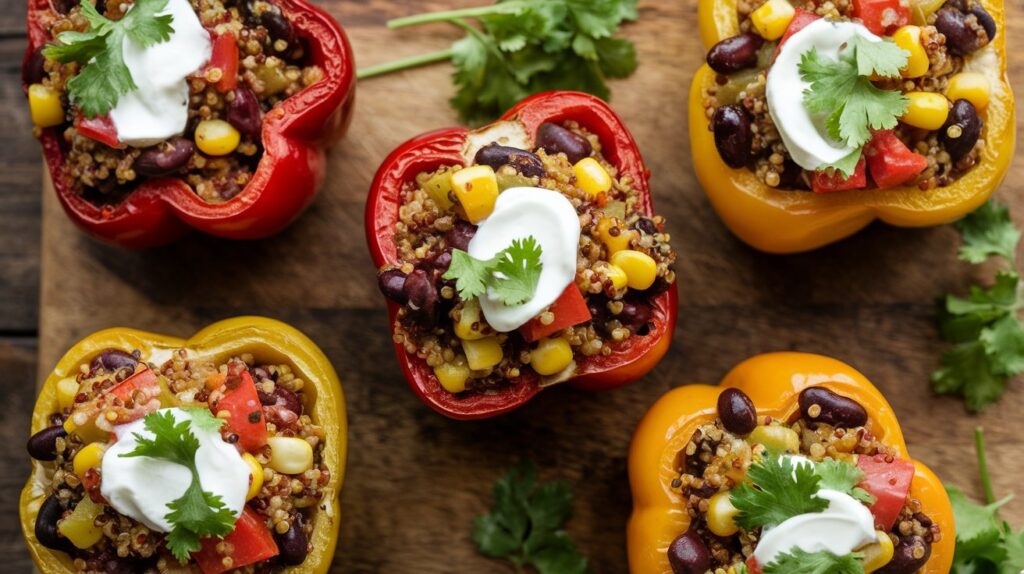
(781, 221)
(629, 361)
(267, 340)
(291, 169)
(773, 382)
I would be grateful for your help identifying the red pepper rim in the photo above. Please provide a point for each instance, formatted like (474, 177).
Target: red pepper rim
(289, 173)
(629, 361)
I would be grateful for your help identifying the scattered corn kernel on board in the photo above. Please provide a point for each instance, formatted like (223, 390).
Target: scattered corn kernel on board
(415, 480)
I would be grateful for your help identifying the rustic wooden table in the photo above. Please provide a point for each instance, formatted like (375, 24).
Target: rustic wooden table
(415, 479)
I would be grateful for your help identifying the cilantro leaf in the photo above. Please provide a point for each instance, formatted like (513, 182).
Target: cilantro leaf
(511, 275)
(777, 490)
(471, 274)
(798, 561)
(988, 231)
(843, 477)
(847, 165)
(883, 58)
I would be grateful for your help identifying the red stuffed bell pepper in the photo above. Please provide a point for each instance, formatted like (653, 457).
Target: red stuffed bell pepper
(251, 156)
(560, 168)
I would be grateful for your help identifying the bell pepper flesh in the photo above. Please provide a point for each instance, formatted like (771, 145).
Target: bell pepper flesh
(251, 540)
(569, 309)
(773, 382)
(100, 128)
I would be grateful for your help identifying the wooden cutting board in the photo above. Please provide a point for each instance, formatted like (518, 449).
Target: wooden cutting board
(415, 480)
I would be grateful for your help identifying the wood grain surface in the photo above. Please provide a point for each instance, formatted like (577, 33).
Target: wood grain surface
(415, 480)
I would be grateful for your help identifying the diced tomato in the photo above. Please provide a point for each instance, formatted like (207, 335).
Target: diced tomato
(143, 380)
(91, 483)
(825, 182)
(225, 56)
(100, 128)
(889, 483)
(752, 566)
(245, 413)
(251, 540)
(800, 21)
(569, 309)
(882, 16)
(890, 162)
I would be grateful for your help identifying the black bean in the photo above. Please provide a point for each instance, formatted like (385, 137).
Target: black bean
(278, 26)
(961, 130)
(293, 544)
(818, 404)
(985, 19)
(733, 137)
(113, 360)
(688, 554)
(646, 226)
(261, 374)
(460, 235)
(961, 38)
(164, 158)
(635, 315)
(35, 71)
(46, 525)
(442, 262)
(287, 399)
(737, 411)
(555, 139)
(422, 296)
(909, 556)
(735, 53)
(244, 112)
(43, 444)
(392, 284)
(64, 6)
(522, 161)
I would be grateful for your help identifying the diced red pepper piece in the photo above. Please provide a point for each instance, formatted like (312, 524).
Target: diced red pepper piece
(882, 17)
(100, 128)
(890, 162)
(889, 482)
(245, 414)
(800, 21)
(251, 541)
(569, 309)
(225, 56)
(91, 483)
(827, 182)
(142, 380)
(752, 566)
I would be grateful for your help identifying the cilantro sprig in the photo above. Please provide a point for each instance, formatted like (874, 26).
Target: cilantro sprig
(843, 477)
(196, 513)
(985, 327)
(523, 47)
(511, 275)
(798, 561)
(525, 525)
(776, 490)
(843, 90)
(104, 77)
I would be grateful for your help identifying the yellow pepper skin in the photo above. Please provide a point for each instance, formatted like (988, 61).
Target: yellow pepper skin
(267, 340)
(773, 382)
(779, 221)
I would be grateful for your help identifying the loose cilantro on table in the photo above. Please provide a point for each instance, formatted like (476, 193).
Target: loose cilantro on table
(104, 77)
(799, 561)
(196, 513)
(775, 491)
(843, 477)
(985, 327)
(523, 47)
(512, 274)
(525, 525)
(843, 90)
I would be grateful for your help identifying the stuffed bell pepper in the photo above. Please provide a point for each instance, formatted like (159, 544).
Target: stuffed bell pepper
(160, 115)
(522, 255)
(795, 464)
(811, 119)
(154, 454)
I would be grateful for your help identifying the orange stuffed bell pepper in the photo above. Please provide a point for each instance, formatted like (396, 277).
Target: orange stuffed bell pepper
(945, 157)
(221, 428)
(793, 456)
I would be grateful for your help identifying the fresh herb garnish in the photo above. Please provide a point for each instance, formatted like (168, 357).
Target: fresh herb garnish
(104, 77)
(523, 47)
(525, 525)
(511, 275)
(196, 513)
(798, 561)
(985, 327)
(843, 90)
(776, 490)
(843, 477)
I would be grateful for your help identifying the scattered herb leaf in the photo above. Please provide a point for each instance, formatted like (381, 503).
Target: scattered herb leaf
(843, 477)
(798, 561)
(776, 490)
(512, 274)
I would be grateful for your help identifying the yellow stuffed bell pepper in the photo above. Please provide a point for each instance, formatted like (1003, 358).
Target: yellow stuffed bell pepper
(278, 454)
(786, 221)
(783, 391)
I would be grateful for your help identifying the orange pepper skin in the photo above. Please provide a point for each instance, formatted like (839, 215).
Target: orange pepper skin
(778, 221)
(773, 382)
(267, 340)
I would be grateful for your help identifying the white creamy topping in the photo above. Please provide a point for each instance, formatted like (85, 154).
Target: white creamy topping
(551, 219)
(804, 134)
(141, 487)
(159, 108)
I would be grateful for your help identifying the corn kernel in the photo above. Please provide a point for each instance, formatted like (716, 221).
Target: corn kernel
(970, 86)
(438, 187)
(89, 456)
(721, 515)
(772, 18)
(926, 110)
(620, 240)
(477, 190)
(776, 438)
(216, 137)
(920, 10)
(290, 455)
(88, 432)
(591, 176)
(640, 268)
(551, 356)
(45, 106)
(909, 39)
(618, 276)
(483, 353)
(256, 475)
(67, 390)
(453, 376)
(878, 554)
(468, 326)
(80, 526)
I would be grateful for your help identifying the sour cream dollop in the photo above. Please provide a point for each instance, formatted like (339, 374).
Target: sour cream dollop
(141, 487)
(551, 219)
(804, 133)
(158, 109)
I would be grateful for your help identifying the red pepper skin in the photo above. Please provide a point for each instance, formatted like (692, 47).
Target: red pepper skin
(825, 182)
(630, 361)
(873, 13)
(295, 136)
(890, 162)
(245, 414)
(889, 482)
(569, 309)
(225, 57)
(100, 128)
